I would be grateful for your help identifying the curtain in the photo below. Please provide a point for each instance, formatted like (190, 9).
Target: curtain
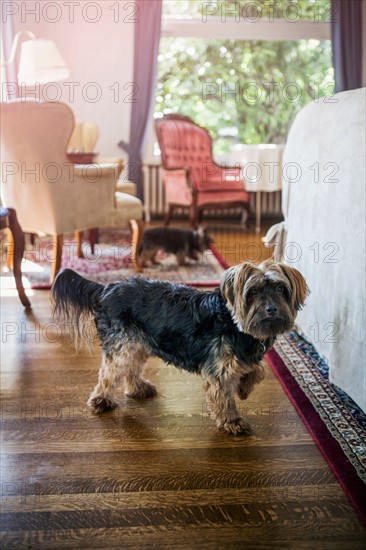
(347, 43)
(146, 47)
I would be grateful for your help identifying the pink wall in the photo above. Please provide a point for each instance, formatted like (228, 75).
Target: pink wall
(99, 55)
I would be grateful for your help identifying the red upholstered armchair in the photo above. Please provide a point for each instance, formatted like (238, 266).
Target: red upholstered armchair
(191, 177)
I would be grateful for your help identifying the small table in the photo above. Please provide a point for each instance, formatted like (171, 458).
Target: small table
(261, 170)
(79, 157)
(8, 218)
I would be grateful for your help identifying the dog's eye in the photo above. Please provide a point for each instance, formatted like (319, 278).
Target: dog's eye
(254, 291)
(280, 288)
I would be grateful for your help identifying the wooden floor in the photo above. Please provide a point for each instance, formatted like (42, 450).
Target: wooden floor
(154, 473)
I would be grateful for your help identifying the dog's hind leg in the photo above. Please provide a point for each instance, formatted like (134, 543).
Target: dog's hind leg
(136, 385)
(181, 257)
(110, 376)
(128, 363)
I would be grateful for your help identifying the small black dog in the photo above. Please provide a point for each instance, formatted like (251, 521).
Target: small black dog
(184, 243)
(221, 334)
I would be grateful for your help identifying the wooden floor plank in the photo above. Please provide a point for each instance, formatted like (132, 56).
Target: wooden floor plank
(154, 473)
(295, 535)
(60, 500)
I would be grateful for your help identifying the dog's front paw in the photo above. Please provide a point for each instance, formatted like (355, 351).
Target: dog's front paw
(101, 404)
(239, 426)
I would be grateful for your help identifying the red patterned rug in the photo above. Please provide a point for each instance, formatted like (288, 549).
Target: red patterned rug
(335, 422)
(111, 262)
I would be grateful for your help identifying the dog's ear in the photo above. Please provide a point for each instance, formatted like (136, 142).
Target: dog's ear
(207, 239)
(233, 282)
(227, 285)
(300, 289)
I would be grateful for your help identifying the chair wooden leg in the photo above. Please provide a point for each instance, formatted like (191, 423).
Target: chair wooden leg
(56, 260)
(168, 215)
(78, 235)
(193, 216)
(199, 216)
(93, 238)
(245, 218)
(10, 254)
(137, 228)
(18, 251)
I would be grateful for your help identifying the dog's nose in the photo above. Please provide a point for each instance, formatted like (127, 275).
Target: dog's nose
(271, 310)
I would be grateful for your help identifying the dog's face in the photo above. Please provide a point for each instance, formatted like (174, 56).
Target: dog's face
(203, 241)
(264, 300)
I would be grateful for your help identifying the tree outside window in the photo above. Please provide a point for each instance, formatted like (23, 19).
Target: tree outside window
(243, 91)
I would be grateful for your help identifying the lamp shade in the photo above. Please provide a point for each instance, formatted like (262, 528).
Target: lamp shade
(41, 62)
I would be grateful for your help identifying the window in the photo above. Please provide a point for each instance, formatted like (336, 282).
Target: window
(243, 90)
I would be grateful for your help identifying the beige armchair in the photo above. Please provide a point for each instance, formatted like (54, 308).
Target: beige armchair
(50, 194)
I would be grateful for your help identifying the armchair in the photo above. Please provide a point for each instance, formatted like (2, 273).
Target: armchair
(191, 177)
(49, 193)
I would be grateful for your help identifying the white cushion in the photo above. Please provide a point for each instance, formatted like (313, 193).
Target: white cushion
(126, 187)
(127, 208)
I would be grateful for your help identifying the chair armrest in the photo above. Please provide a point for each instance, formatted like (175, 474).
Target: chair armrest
(96, 170)
(94, 193)
(177, 186)
(116, 161)
(176, 171)
(224, 167)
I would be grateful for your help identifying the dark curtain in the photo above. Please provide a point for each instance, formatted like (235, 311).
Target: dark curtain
(347, 43)
(146, 47)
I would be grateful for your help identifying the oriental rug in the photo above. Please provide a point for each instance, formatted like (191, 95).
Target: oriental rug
(110, 262)
(334, 420)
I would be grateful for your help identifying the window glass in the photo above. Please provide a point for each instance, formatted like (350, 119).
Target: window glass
(242, 91)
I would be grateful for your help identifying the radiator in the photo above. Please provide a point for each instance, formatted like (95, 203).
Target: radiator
(156, 206)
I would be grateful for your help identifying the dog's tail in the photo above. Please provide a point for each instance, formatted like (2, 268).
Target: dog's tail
(74, 299)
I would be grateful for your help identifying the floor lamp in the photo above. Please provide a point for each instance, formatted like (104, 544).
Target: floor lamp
(40, 62)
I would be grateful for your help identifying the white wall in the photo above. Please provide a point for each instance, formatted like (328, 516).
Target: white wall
(99, 55)
(364, 43)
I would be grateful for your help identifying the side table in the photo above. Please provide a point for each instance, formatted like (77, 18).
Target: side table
(261, 170)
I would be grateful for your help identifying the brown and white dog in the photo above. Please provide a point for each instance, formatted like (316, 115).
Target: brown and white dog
(184, 243)
(221, 334)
